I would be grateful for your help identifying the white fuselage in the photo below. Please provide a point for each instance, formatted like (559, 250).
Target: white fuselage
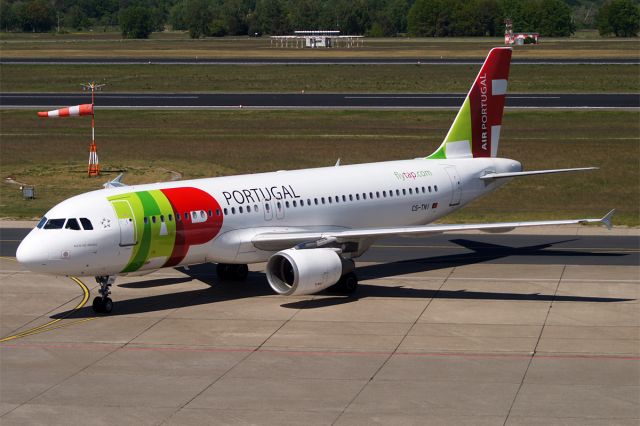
(395, 193)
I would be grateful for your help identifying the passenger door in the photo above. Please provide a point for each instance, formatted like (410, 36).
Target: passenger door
(126, 222)
(456, 185)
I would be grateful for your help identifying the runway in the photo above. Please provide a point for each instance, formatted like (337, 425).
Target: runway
(311, 61)
(311, 100)
(476, 329)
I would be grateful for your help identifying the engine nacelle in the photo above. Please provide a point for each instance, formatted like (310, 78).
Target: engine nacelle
(297, 272)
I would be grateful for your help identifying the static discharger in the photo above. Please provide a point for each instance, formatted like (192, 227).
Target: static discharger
(93, 169)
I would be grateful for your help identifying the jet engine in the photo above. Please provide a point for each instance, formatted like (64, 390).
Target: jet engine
(297, 272)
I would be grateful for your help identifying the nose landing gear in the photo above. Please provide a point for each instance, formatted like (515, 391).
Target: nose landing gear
(103, 304)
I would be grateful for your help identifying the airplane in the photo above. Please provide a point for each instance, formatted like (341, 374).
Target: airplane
(308, 225)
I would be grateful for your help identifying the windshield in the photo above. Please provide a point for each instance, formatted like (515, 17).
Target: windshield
(54, 224)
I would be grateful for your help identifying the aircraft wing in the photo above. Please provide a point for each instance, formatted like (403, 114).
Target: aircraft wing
(279, 240)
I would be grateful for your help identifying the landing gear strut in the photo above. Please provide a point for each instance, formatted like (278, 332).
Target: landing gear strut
(103, 304)
(232, 272)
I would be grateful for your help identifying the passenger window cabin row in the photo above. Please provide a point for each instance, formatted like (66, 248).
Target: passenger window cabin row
(195, 216)
(335, 199)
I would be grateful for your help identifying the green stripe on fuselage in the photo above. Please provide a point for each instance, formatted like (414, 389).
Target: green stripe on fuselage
(155, 239)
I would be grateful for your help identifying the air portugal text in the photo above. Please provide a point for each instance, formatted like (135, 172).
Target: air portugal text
(256, 195)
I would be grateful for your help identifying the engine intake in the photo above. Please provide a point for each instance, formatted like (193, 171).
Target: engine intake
(298, 272)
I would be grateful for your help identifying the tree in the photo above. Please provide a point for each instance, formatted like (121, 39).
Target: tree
(431, 18)
(136, 22)
(197, 16)
(554, 19)
(619, 17)
(476, 18)
(271, 17)
(77, 19)
(38, 16)
(234, 14)
(8, 18)
(177, 17)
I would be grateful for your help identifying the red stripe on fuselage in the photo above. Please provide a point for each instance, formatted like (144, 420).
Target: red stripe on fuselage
(188, 233)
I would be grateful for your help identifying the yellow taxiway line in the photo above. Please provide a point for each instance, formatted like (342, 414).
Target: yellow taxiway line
(49, 326)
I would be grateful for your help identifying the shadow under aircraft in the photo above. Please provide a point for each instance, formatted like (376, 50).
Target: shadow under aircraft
(255, 286)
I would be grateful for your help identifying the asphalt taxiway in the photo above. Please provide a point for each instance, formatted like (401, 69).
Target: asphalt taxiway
(521, 328)
(313, 100)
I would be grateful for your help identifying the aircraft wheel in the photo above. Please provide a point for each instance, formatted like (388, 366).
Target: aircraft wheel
(240, 272)
(347, 284)
(107, 305)
(98, 305)
(232, 272)
(223, 270)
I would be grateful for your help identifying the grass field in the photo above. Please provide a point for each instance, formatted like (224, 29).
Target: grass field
(316, 78)
(52, 154)
(175, 44)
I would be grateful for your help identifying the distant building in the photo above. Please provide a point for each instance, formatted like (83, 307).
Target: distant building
(518, 38)
(317, 38)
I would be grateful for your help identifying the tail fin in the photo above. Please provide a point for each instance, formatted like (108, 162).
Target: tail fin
(476, 130)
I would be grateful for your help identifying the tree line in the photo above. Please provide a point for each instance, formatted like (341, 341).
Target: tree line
(375, 18)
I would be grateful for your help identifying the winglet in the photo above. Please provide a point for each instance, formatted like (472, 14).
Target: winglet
(115, 183)
(607, 219)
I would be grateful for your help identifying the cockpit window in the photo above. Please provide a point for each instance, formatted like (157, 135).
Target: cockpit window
(41, 223)
(86, 224)
(72, 224)
(54, 224)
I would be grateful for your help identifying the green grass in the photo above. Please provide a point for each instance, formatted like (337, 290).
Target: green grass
(176, 44)
(316, 78)
(52, 154)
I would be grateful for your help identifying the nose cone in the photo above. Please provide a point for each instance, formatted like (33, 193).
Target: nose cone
(30, 254)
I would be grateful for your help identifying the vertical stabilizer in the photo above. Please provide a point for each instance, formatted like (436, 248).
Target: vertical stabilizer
(475, 132)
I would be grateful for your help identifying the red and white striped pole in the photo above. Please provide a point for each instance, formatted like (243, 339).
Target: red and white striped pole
(84, 109)
(94, 165)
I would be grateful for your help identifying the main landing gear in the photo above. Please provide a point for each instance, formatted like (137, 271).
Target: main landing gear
(347, 284)
(103, 304)
(232, 272)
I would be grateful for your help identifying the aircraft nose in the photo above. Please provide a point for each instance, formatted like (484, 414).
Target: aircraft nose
(30, 254)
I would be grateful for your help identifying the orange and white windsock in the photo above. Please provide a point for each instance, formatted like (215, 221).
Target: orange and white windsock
(84, 109)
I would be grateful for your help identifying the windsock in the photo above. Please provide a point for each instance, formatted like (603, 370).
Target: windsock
(84, 109)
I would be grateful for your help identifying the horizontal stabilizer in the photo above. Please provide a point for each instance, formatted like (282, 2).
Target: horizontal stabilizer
(534, 172)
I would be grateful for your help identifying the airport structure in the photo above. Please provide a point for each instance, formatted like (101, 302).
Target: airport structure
(317, 38)
(518, 38)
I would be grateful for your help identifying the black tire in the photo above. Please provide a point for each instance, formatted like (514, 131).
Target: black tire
(107, 306)
(240, 272)
(223, 270)
(98, 306)
(347, 284)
